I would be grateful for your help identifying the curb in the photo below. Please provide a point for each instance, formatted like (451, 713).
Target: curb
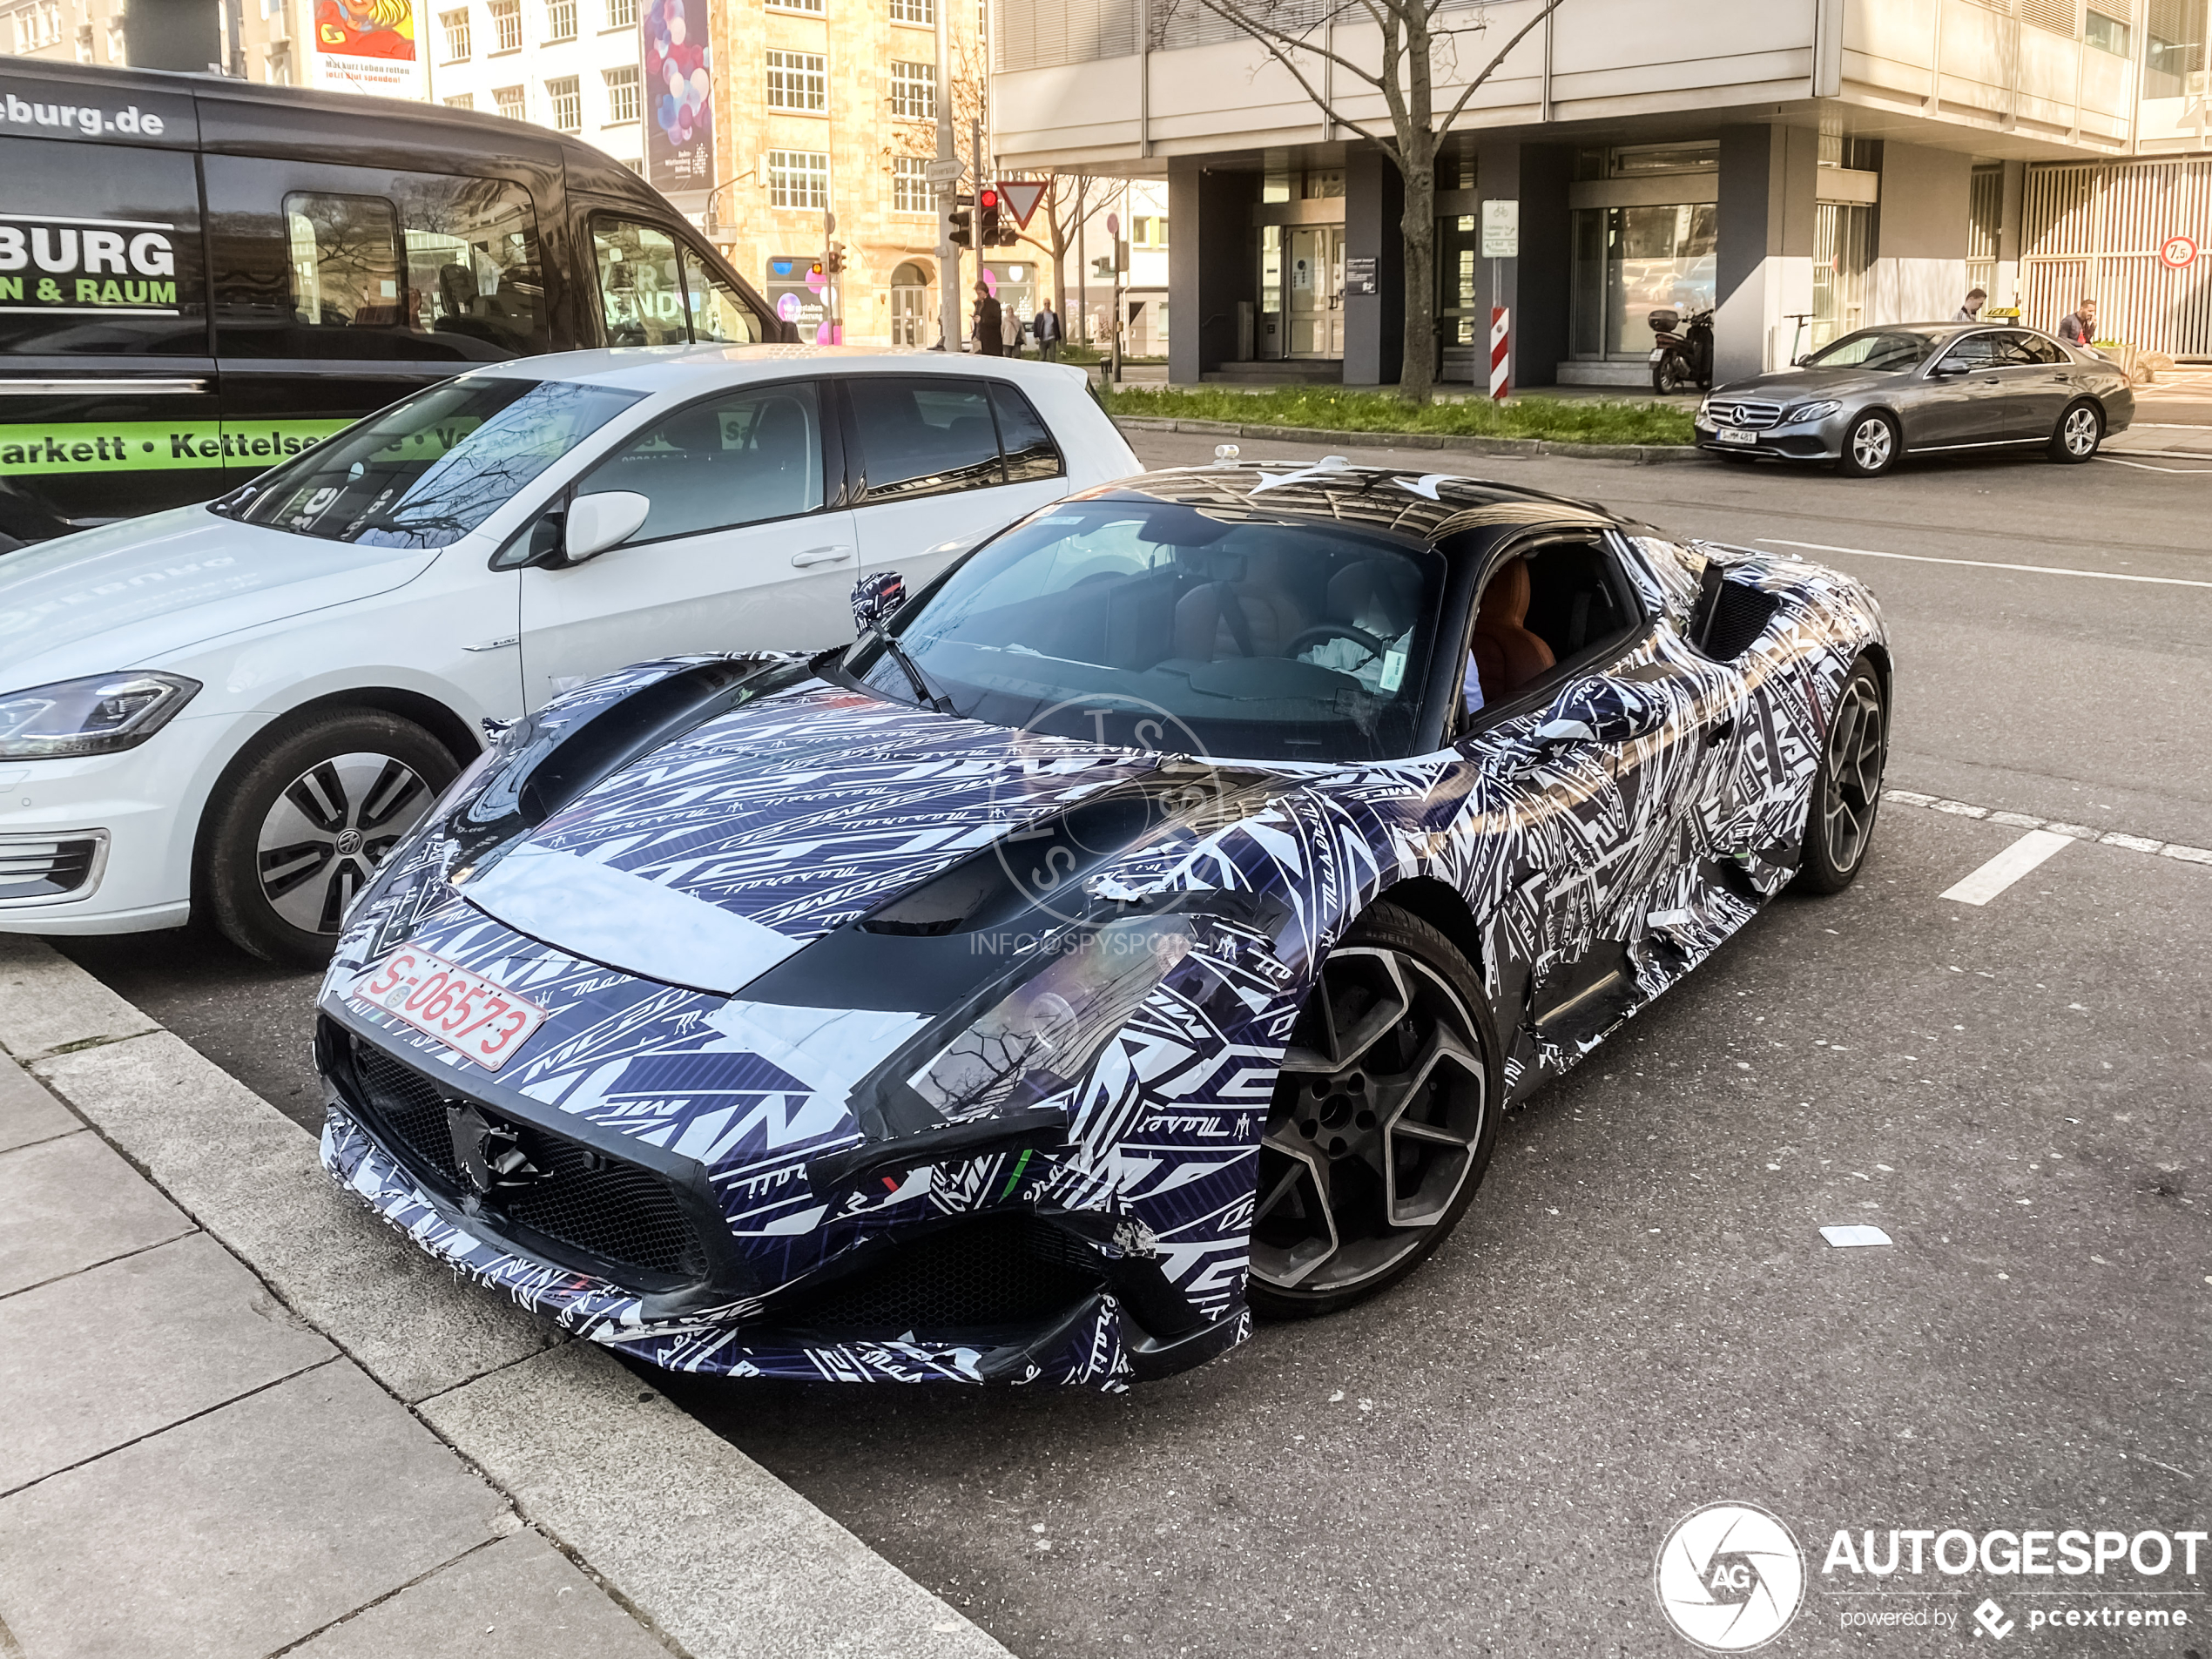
(1644, 454)
(712, 1553)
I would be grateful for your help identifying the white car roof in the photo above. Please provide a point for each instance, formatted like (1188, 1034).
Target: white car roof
(678, 368)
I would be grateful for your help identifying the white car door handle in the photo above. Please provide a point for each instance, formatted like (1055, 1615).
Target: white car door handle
(820, 555)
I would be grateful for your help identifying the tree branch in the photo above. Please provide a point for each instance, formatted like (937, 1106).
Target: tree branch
(1550, 6)
(1268, 34)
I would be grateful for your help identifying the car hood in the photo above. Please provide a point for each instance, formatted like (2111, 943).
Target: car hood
(132, 594)
(1788, 386)
(710, 860)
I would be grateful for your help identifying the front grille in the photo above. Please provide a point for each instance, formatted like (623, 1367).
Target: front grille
(1744, 412)
(36, 867)
(610, 1215)
(994, 1271)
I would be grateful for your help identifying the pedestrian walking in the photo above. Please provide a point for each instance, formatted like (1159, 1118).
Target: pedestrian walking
(2080, 328)
(990, 326)
(1970, 312)
(1045, 328)
(1012, 332)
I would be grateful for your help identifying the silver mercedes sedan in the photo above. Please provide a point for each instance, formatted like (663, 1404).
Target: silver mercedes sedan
(1917, 388)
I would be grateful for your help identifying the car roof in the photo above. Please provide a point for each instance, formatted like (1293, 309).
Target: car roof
(1400, 500)
(680, 368)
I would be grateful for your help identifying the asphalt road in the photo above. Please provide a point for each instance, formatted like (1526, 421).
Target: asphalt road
(1639, 1315)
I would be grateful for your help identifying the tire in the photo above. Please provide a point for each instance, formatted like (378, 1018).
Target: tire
(1333, 1222)
(1847, 794)
(1872, 445)
(1669, 375)
(2079, 435)
(302, 818)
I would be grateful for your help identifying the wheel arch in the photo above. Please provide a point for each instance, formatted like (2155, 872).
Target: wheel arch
(1445, 908)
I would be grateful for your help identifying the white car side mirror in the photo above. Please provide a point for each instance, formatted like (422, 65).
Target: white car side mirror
(597, 523)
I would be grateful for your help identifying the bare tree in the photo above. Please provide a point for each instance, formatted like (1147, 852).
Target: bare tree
(1416, 53)
(1071, 199)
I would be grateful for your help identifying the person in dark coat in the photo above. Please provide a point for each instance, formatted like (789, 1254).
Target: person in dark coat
(990, 324)
(1047, 329)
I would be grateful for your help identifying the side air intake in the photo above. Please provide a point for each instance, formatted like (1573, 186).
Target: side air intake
(1727, 616)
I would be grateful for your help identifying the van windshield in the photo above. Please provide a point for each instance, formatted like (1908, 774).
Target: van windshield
(427, 470)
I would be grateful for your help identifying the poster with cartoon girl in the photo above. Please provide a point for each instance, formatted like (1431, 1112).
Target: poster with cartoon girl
(365, 46)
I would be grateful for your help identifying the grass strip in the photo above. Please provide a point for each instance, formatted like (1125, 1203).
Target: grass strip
(1573, 420)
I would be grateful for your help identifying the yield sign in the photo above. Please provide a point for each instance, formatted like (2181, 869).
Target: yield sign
(1023, 196)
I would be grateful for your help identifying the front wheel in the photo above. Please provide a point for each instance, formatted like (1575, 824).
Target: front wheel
(306, 813)
(1385, 1115)
(1848, 792)
(2079, 434)
(1872, 446)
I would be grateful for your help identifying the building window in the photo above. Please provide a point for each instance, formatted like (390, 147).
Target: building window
(622, 95)
(636, 163)
(2054, 15)
(116, 49)
(455, 24)
(567, 103)
(797, 82)
(813, 6)
(914, 90)
(2105, 34)
(38, 26)
(798, 179)
(507, 25)
(910, 192)
(462, 101)
(2175, 49)
(507, 100)
(622, 14)
(921, 11)
(560, 21)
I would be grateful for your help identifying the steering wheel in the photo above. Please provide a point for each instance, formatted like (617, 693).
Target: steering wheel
(1323, 631)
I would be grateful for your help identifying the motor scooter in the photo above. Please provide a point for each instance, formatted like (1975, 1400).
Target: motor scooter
(1681, 356)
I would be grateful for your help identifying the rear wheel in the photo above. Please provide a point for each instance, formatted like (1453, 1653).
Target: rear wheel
(1384, 1117)
(1671, 375)
(305, 817)
(1848, 793)
(2079, 432)
(1872, 445)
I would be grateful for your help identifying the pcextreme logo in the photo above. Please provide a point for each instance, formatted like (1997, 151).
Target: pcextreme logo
(1730, 1577)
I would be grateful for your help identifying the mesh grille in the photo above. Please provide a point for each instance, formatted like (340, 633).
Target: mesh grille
(1012, 1269)
(1740, 615)
(614, 1214)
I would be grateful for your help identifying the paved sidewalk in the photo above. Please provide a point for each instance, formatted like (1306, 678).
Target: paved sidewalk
(245, 1419)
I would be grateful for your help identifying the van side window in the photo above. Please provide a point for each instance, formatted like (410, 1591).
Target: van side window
(353, 263)
(718, 314)
(100, 251)
(639, 284)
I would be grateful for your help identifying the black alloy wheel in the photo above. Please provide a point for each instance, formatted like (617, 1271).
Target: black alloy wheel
(302, 819)
(1847, 795)
(2079, 432)
(1385, 1115)
(1872, 445)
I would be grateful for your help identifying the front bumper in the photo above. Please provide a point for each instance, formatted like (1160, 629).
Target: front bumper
(1788, 441)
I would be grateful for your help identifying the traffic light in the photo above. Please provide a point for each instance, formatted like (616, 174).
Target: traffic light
(836, 258)
(963, 229)
(988, 233)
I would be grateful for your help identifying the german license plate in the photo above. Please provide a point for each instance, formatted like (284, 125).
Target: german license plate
(472, 1016)
(1729, 435)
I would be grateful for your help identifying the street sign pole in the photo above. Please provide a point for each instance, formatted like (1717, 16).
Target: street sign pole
(1501, 242)
(946, 173)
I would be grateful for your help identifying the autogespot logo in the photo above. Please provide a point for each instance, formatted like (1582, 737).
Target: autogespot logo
(1730, 1577)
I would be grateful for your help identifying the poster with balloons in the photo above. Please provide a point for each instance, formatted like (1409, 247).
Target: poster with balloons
(679, 93)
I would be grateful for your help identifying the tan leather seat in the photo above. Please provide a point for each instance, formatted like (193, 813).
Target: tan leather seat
(1506, 655)
(1253, 617)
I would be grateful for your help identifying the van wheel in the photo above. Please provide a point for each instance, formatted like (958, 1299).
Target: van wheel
(304, 816)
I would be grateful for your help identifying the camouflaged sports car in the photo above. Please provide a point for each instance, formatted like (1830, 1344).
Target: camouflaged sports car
(1143, 925)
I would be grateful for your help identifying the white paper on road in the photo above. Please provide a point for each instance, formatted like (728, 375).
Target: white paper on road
(2007, 866)
(1842, 1238)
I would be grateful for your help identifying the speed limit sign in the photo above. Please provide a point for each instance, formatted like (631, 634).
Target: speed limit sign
(2179, 254)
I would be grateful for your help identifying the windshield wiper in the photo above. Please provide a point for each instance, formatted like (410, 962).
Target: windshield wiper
(930, 698)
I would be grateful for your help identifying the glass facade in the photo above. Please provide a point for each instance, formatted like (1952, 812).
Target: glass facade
(1631, 261)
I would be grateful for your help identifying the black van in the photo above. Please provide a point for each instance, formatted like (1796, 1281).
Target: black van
(200, 276)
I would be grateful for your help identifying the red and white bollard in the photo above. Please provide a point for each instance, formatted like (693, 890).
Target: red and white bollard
(1500, 380)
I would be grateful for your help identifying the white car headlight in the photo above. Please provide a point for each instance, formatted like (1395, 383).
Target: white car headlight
(1044, 1033)
(96, 715)
(1812, 411)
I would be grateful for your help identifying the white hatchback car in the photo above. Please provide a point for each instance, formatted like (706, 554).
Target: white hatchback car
(239, 707)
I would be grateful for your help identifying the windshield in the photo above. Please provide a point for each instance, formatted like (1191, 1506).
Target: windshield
(1873, 348)
(1221, 633)
(429, 470)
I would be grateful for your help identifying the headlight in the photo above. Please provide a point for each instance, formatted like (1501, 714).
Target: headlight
(1812, 411)
(1705, 410)
(1044, 1034)
(94, 716)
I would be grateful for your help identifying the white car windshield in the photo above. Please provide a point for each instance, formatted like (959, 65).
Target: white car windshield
(1210, 630)
(429, 470)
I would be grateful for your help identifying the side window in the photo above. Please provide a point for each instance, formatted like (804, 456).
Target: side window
(639, 284)
(100, 251)
(351, 262)
(1976, 351)
(923, 434)
(718, 314)
(1556, 606)
(2026, 349)
(1031, 452)
(737, 458)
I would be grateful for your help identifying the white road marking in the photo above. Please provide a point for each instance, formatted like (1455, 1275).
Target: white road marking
(2169, 455)
(2078, 832)
(1987, 564)
(2007, 866)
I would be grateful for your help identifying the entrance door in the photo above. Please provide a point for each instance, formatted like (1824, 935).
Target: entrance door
(1316, 285)
(910, 307)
